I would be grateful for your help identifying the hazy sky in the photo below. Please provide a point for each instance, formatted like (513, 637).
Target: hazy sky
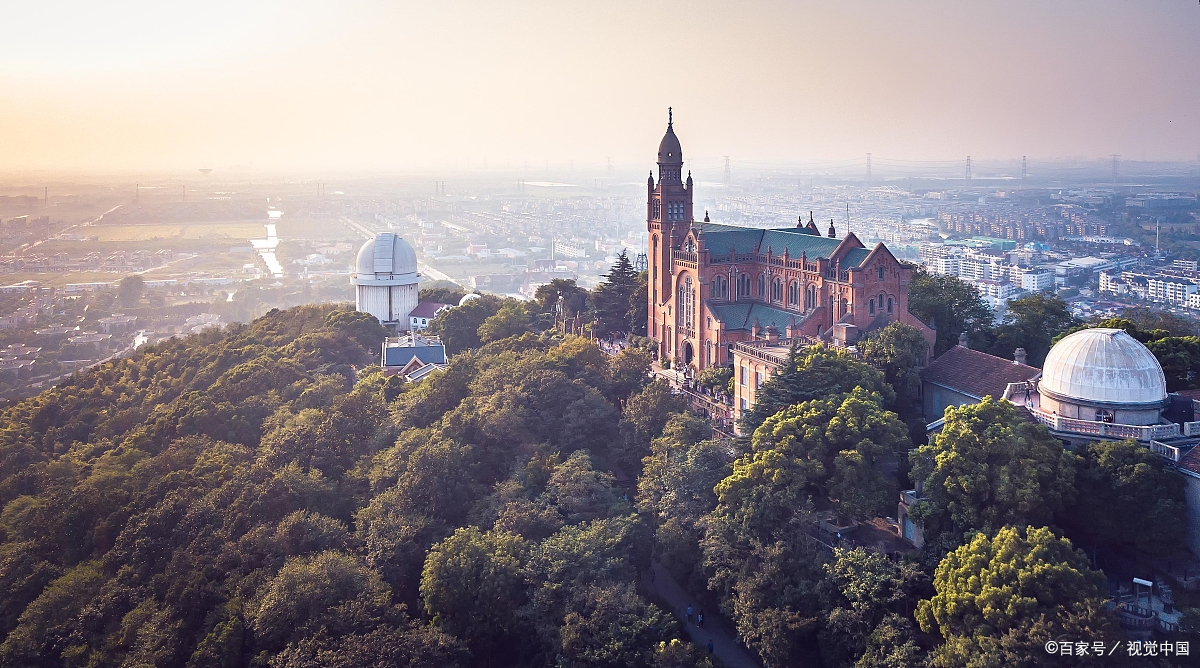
(340, 85)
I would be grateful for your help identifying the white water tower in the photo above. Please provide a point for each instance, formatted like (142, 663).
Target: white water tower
(385, 279)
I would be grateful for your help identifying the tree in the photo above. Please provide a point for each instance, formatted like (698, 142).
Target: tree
(562, 291)
(639, 308)
(990, 467)
(458, 328)
(900, 351)
(950, 304)
(867, 625)
(811, 373)
(130, 290)
(306, 589)
(613, 298)
(1032, 323)
(472, 587)
(441, 292)
(1180, 360)
(511, 320)
(647, 412)
(715, 378)
(1127, 497)
(675, 490)
(630, 372)
(1000, 598)
(836, 445)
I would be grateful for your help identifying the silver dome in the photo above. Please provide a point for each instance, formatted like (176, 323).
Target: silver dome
(385, 259)
(1105, 366)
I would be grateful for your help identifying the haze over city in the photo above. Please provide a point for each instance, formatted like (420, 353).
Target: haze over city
(407, 86)
(662, 334)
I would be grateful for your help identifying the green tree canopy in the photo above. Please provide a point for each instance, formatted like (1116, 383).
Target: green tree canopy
(130, 290)
(900, 351)
(441, 292)
(472, 586)
(989, 467)
(458, 328)
(613, 298)
(951, 304)
(513, 319)
(835, 447)
(561, 290)
(1127, 497)
(1032, 323)
(812, 373)
(1000, 598)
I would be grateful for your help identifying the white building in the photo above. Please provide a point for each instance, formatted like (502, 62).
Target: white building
(1037, 281)
(949, 265)
(1193, 300)
(996, 293)
(385, 279)
(1169, 289)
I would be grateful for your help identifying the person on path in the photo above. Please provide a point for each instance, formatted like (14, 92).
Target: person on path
(710, 647)
(700, 619)
(689, 614)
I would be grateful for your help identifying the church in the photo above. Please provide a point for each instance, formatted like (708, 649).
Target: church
(714, 285)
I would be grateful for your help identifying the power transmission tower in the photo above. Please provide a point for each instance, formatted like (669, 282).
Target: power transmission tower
(968, 168)
(726, 169)
(868, 166)
(1114, 171)
(1024, 169)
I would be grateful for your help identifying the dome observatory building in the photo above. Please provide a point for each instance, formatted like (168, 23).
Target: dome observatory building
(385, 279)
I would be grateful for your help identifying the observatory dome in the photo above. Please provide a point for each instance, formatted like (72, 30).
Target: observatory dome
(386, 259)
(467, 298)
(1106, 366)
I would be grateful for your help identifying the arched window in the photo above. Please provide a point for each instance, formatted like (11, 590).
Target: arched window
(889, 304)
(871, 306)
(881, 272)
(777, 290)
(762, 286)
(743, 285)
(794, 294)
(686, 315)
(810, 297)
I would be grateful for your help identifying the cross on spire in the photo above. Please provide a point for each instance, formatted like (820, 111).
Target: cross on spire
(669, 117)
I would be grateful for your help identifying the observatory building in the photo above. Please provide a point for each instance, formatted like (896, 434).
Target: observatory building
(1103, 375)
(385, 280)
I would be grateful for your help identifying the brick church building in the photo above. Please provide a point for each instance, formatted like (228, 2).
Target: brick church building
(713, 285)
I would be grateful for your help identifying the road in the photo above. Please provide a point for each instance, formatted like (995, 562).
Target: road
(86, 224)
(726, 647)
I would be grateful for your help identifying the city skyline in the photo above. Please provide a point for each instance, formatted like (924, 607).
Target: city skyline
(400, 87)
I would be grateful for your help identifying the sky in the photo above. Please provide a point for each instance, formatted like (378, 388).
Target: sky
(393, 85)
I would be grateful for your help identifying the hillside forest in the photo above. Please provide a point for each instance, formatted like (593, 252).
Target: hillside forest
(265, 496)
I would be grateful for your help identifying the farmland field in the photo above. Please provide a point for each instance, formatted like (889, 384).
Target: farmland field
(231, 230)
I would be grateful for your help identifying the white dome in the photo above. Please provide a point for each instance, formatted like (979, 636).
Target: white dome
(386, 259)
(1103, 366)
(469, 297)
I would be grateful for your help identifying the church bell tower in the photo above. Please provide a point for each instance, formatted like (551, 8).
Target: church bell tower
(668, 215)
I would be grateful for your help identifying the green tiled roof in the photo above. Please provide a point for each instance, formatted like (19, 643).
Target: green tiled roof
(741, 316)
(719, 239)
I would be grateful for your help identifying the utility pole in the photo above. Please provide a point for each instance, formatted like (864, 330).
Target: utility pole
(968, 168)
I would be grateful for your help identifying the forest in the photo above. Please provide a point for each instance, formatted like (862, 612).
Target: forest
(264, 496)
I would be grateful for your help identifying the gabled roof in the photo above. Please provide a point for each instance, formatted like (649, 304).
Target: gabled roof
(427, 309)
(394, 356)
(976, 374)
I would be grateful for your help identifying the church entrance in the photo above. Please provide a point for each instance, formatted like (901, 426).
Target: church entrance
(687, 352)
